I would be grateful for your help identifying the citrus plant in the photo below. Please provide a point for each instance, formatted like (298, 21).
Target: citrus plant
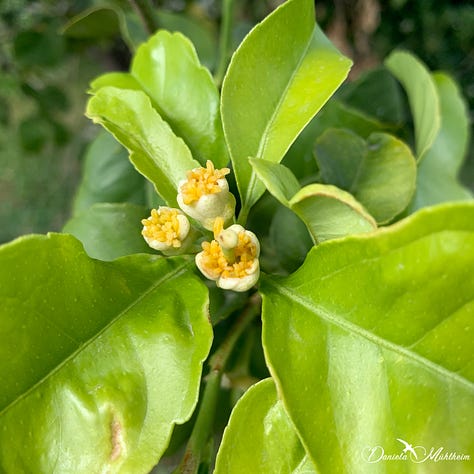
(286, 260)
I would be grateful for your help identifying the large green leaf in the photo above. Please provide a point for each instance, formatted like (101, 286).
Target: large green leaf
(422, 95)
(109, 231)
(370, 341)
(261, 438)
(280, 76)
(184, 93)
(437, 179)
(379, 172)
(98, 360)
(155, 150)
(108, 175)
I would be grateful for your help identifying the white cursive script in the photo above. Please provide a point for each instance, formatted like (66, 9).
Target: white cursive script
(415, 454)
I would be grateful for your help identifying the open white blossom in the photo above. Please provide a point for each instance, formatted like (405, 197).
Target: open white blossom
(231, 259)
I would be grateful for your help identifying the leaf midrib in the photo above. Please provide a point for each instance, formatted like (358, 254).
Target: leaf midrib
(167, 277)
(352, 328)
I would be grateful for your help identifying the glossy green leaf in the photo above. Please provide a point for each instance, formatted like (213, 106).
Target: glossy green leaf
(422, 96)
(438, 173)
(109, 231)
(183, 92)
(108, 175)
(300, 156)
(121, 80)
(98, 360)
(278, 179)
(261, 438)
(370, 341)
(197, 30)
(330, 212)
(379, 172)
(327, 211)
(155, 150)
(280, 76)
(289, 239)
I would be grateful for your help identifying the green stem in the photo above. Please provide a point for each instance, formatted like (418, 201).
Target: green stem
(225, 39)
(202, 430)
(243, 215)
(147, 12)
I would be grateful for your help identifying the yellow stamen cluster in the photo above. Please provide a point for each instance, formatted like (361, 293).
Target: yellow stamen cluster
(217, 265)
(202, 181)
(163, 225)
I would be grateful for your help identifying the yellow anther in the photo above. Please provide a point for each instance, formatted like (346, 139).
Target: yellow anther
(214, 262)
(202, 181)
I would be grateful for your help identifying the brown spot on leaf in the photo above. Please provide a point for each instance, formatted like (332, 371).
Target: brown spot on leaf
(116, 439)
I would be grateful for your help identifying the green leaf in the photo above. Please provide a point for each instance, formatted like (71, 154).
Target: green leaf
(98, 360)
(107, 21)
(184, 93)
(121, 80)
(155, 150)
(300, 156)
(437, 179)
(261, 438)
(371, 341)
(280, 76)
(94, 23)
(108, 175)
(200, 34)
(278, 179)
(330, 212)
(377, 94)
(380, 173)
(422, 96)
(109, 231)
(336, 114)
(289, 239)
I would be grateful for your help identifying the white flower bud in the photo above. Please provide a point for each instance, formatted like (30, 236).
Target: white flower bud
(167, 230)
(205, 195)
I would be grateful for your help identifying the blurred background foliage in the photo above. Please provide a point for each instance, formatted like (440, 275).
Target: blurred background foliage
(50, 50)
